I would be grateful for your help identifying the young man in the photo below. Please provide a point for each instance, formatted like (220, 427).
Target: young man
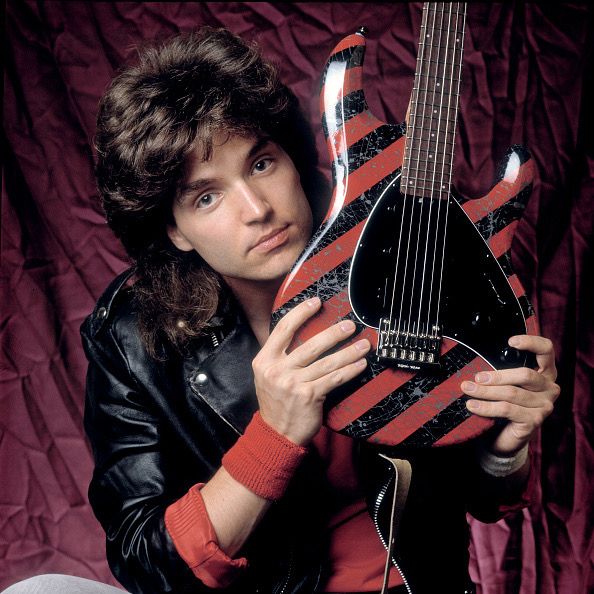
(213, 468)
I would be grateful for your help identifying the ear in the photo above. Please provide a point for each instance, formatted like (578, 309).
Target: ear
(178, 239)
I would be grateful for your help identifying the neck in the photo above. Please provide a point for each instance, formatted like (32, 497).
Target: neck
(430, 136)
(256, 299)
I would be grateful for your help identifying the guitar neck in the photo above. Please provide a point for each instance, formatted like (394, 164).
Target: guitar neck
(430, 137)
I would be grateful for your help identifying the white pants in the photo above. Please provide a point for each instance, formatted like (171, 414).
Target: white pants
(60, 584)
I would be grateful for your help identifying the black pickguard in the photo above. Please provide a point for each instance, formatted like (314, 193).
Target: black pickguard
(478, 307)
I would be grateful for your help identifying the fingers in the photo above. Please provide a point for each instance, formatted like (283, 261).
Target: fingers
(527, 404)
(323, 385)
(530, 417)
(542, 348)
(521, 386)
(515, 395)
(317, 345)
(354, 353)
(523, 396)
(521, 376)
(282, 335)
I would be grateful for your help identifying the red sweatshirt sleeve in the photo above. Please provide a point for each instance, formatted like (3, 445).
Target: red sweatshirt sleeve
(263, 461)
(194, 538)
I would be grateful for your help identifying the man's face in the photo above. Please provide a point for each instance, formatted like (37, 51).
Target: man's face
(244, 210)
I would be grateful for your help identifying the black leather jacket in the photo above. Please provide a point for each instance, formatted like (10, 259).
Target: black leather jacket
(157, 428)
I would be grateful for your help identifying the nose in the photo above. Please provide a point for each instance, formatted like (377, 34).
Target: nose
(255, 206)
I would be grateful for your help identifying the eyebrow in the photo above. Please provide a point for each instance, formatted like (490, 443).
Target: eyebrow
(198, 184)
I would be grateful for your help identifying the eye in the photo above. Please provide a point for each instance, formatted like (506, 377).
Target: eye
(207, 200)
(262, 164)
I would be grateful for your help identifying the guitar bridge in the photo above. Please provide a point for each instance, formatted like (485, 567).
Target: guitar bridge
(406, 349)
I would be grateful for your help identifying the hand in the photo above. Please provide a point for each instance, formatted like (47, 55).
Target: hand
(523, 396)
(291, 388)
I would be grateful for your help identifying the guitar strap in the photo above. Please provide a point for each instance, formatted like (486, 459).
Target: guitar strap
(402, 477)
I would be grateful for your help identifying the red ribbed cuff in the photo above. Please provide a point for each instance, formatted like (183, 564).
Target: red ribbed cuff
(195, 540)
(263, 460)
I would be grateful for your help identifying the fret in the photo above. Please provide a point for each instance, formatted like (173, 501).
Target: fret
(446, 79)
(439, 183)
(442, 175)
(435, 116)
(441, 137)
(442, 31)
(440, 144)
(441, 46)
(438, 62)
(441, 76)
(424, 157)
(422, 160)
(410, 181)
(431, 133)
(416, 160)
(424, 191)
(431, 146)
(432, 117)
(421, 86)
(448, 24)
(442, 90)
(442, 134)
(448, 69)
(439, 82)
(442, 181)
(428, 192)
(433, 7)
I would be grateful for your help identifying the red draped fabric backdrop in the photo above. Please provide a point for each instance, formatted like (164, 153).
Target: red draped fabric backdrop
(527, 79)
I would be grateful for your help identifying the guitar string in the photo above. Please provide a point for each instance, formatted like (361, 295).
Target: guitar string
(435, 155)
(414, 115)
(449, 62)
(410, 142)
(404, 192)
(454, 95)
(413, 176)
(419, 196)
(463, 27)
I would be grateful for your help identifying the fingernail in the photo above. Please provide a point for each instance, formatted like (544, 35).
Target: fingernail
(347, 326)
(473, 405)
(483, 377)
(362, 345)
(469, 386)
(313, 301)
(361, 363)
(514, 341)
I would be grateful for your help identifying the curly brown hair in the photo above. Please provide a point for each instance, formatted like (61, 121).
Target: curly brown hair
(151, 117)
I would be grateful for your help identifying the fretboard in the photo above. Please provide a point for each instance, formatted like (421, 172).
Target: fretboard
(430, 137)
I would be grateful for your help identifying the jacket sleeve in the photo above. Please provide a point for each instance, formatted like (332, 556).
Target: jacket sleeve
(129, 490)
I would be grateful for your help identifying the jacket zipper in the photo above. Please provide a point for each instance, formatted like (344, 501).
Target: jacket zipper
(289, 575)
(378, 501)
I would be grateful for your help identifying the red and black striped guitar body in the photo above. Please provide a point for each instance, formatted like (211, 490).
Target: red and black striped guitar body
(345, 264)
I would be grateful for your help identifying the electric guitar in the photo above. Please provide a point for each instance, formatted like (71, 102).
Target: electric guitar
(424, 273)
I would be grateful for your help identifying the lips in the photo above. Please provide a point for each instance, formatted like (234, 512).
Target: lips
(272, 240)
